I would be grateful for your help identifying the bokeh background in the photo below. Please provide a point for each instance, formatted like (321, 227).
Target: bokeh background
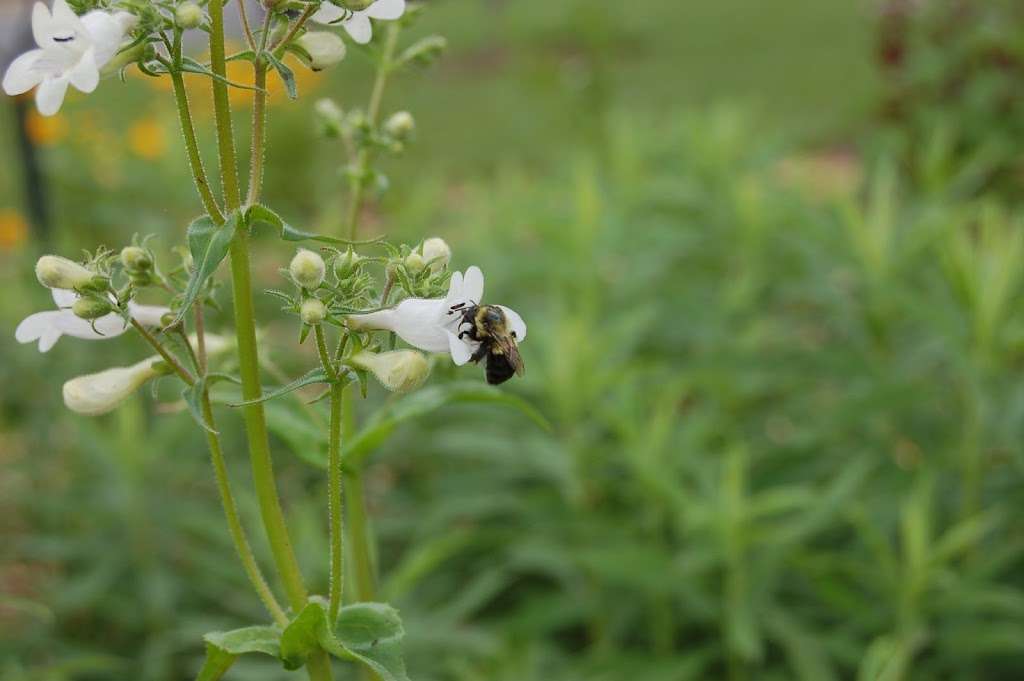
(770, 254)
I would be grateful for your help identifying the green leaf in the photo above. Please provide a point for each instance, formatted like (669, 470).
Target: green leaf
(208, 242)
(317, 375)
(286, 74)
(370, 633)
(224, 647)
(261, 214)
(193, 396)
(192, 66)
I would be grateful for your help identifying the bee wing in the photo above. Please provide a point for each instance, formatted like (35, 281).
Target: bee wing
(506, 345)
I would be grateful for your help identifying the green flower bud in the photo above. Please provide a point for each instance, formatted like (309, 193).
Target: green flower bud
(437, 253)
(91, 308)
(325, 49)
(188, 15)
(54, 271)
(313, 311)
(307, 269)
(399, 371)
(347, 264)
(414, 262)
(425, 51)
(400, 125)
(355, 5)
(136, 259)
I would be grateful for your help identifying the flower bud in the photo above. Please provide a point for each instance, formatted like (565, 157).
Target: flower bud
(54, 271)
(91, 308)
(313, 311)
(355, 5)
(136, 259)
(347, 264)
(399, 371)
(307, 269)
(188, 15)
(330, 116)
(414, 262)
(400, 125)
(424, 52)
(96, 394)
(324, 48)
(436, 253)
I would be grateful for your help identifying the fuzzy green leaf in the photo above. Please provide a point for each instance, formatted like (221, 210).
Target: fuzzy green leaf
(261, 214)
(208, 243)
(193, 396)
(224, 647)
(286, 74)
(312, 376)
(370, 633)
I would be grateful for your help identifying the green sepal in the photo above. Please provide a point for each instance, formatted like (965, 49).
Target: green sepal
(224, 647)
(193, 395)
(370, 633)
(209, 243)
(258, 213)
(312, 376)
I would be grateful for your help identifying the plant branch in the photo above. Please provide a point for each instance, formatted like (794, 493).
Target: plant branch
(334, 502)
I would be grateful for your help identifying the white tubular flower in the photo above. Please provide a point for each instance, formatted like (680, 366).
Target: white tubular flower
(357, 23)
(72, 50)
(433, 324)
(399, 371)
(324, 48)
(47, 327)
(95, 394)
(437, 253)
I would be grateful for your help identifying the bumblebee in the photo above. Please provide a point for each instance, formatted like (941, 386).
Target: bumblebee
(489, 326)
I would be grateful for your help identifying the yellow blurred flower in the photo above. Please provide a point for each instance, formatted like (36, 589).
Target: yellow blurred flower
(45, 130)
(147, 139)
(13, 230)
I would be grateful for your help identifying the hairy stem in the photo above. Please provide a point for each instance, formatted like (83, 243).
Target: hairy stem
(334, 501)
(164, 353)
(238, 536)
(195, 160)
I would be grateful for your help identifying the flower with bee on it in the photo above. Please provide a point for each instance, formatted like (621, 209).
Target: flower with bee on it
(457, 324)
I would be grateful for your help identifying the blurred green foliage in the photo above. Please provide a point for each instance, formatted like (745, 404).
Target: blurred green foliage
(785, 424)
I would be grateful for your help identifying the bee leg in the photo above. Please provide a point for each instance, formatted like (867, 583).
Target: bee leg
(478, 355)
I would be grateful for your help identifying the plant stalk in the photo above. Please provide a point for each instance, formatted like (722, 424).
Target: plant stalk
(334, 502)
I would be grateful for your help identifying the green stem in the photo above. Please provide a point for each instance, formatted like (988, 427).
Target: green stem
(164, 353)
(238, 536)
(334, 501)
(319, 666)
(195, 160)
(359, 537)
(358, 181)
(325, 356)
(259, 123)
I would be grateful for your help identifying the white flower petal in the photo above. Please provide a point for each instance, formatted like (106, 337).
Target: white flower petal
(386, 9)
(359, 28)
(63, 297)
(147, 315)
(107, 326)
(515, 323)
(41, 23)
(63, 18)
(38, 326)
(50, 95)
(21, 75)
(99, 393)
(106, 31)
(455, 287)
(473, 285)
(85, 76)
(417, 321)
(461, 351)
(328, 13)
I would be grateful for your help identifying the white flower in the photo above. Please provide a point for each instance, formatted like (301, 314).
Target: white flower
(95, 394)
(357, 23)
(47, 327)
(434, 324)
(72, 50)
